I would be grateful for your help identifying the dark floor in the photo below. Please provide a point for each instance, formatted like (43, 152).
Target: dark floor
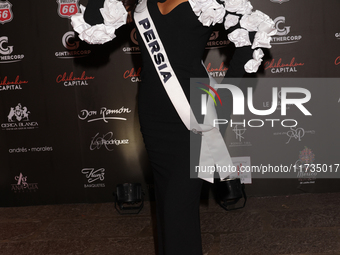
(297, 224)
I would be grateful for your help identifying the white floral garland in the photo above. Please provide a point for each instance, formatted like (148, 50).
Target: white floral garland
(210, 12)
(114, 14)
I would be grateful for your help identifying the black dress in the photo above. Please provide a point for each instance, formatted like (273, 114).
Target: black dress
(165, 136)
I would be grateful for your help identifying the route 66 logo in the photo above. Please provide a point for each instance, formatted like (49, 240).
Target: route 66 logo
(67, 8)
(6, 14)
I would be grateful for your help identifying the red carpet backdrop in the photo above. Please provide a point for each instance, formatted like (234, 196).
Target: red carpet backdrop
(69, 125)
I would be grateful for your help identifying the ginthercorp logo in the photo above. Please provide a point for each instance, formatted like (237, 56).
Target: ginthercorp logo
(337, 36)
(22, 185)
(67, 8)
(6, 51)
(279, 1)
(283, 33)
(18, 119)
(132, 49)
(216, 41)
(70, 43)
(95, 177)
(239, 102)
(6, 14)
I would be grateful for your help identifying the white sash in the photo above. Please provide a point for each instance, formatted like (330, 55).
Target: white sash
(214, 151)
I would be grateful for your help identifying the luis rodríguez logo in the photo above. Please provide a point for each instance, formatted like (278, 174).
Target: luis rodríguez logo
(282, 36)
(71, 44)
(67, 8)
(92, 176)
(6, 84)
(107, 141)
(71, 80)
(22, 185)
(6, 14)
(6, 51)
(103, 114)
(18, 119)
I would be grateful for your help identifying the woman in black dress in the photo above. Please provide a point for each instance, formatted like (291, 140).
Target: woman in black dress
(184, 28)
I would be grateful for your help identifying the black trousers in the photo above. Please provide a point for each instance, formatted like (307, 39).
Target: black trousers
(177, 195)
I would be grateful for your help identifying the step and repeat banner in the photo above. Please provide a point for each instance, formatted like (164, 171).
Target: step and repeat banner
(69, 125)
